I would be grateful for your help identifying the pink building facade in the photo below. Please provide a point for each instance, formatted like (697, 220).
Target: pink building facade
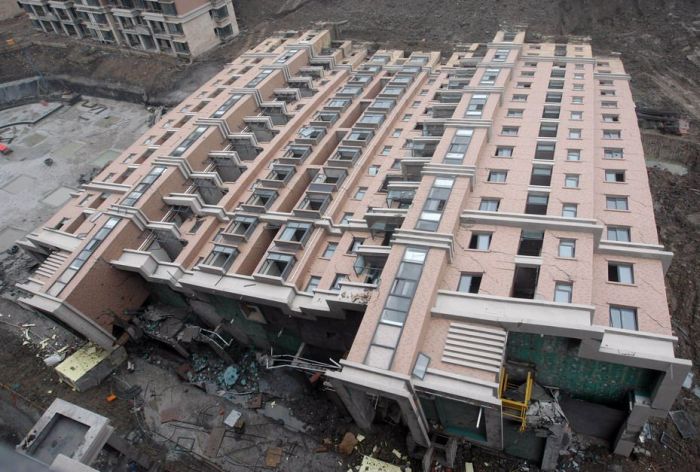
(450, 229)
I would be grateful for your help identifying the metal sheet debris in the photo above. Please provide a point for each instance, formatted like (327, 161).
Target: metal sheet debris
(684, 424)
(370, 464)
(232, 418)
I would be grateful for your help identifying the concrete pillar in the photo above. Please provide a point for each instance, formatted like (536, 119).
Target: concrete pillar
(413, 422)
(556, 441)
(358, 404)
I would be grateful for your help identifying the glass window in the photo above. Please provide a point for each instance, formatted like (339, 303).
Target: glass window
(571, 181)
(619, 233)
(469, 283)
(567, 248)
(563, 292)
(330, 250)
(489, 204)
(573, 155)
(480, 241)
(497, 176)
(337, 280)
(360, 193)
(504, 151)
(621, 273)
(569, 210)
(616, 203)
(312, 285)
(623, 317)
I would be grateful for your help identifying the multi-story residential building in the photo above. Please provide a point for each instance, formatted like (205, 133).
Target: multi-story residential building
(457, 230)
(179, 27)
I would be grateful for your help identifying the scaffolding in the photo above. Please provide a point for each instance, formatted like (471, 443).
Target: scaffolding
(515, 409)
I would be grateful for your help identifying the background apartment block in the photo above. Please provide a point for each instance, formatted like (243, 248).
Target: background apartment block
(179, 27)
(454, 231)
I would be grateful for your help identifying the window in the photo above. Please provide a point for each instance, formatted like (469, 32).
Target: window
(620, 273)
(221, 256)
(578, 75)
(578, 87)
(330, 250)
(611, 118)
(611, 134)
(242, 225)
(497, 176)
(458, 146)
(373, 170)
(480, 241)
(614, 175)
(623, 317)
(619, 233)
(536, 204)
(553, 97)
(278, 265)
(489, 204)
(489, 77)
(613, 153)
(541, 175)
(576, 115)
(569, 210)
(345, 220)
(551, 112)
(259, 78)
(515, 113)
(509, 131)
(573, 154)
(577, 100)
(548, 130)
(386, 150)
(337, 280)
(406, 117)
(355, 245)
(404, 287)
(500, 55)
(616, 203)
(396, 133)
(608, 104)
(262, 197)
(435, 204)
(519, 97)
(567, 248)
(504, 151)
(476, 105)
(312, 284)
(563, 292)
(188, 141)
(545, 150)
(571, 181)
(574, 133)
(469, 283)
(530, 243)
(138, 191)
(523, 85)
(556, 84)
(607, 93)
(295, 232)
(360, 194)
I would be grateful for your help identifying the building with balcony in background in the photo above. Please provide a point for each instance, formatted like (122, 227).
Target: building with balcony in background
(465, 235)
(176, 27)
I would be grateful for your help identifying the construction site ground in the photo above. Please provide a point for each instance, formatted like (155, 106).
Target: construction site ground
(660, 47)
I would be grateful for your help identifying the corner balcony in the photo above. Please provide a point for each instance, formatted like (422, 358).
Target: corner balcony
(196, 204)
(227, 164)
(379, 219)
(328, 180)
(313, 205)
(150, 267)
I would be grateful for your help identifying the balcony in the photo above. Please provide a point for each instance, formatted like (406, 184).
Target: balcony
(209, 185)
(260, 201)
(278, 176)
(305, 85)
(328, 180)
(310, 135)
(276, 111)
(149, 267)
(261, 126)
(313, 205)
(240, 229)
(245, 145)
(325, 119)
(287, 95)
(345, 156)
(227, 164)
(195, 203)
(358, 137)
(385, 219)
(295, 154)
(293, 235)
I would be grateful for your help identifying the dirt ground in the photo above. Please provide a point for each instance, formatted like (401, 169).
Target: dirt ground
(660, 46)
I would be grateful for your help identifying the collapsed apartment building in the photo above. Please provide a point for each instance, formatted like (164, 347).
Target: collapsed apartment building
(467, 235)
(177, 27)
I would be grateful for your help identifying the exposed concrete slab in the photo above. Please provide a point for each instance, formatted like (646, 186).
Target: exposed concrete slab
(8, 236)
(58, 197)
(72, 142)
(19, 184)
(34, 138)
(106, 156)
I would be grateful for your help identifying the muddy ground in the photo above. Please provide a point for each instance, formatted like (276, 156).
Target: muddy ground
(660, 47)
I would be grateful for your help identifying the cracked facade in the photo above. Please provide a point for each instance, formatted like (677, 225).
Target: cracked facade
(184, 28)
(450, 227)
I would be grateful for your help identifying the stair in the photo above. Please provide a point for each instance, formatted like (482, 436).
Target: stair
(475, 346)
(51, 264)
